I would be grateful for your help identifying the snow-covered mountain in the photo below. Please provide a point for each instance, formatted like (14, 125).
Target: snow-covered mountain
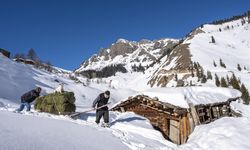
(128, 53)
(207, 45)
(168, 60)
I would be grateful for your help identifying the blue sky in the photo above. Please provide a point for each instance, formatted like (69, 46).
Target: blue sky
(67, 32)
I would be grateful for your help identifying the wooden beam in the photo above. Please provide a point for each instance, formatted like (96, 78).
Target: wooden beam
(194, 114)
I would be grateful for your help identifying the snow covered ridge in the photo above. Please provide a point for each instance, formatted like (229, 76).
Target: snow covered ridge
(129, 53)
(207, 45)
(182, 96)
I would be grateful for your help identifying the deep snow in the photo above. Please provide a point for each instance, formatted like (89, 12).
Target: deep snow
(128, 131)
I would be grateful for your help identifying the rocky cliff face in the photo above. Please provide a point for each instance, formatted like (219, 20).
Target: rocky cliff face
(128, 54)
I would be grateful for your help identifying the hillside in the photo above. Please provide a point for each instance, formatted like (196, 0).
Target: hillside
(231, 45)
(128, 68)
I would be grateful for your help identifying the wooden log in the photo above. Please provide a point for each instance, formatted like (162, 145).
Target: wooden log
(185, 130)
(210, 114)
(194, 114)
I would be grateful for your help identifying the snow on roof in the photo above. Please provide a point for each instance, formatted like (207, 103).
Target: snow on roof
(181, 96)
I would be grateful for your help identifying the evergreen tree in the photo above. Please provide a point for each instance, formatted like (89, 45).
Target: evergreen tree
(220, 29)
(198, 73)
(192, 72)
(235, 82)
(198, 65)
(215, 65)
(223, 82)
(212, 39)
(176, 77)
(222, 64)
(48, 66)
(217, 81)
(228, 80)
(204, 79)
(195, 66)
(245, 94)
(238, 67)
(202, 72)
(209, 75)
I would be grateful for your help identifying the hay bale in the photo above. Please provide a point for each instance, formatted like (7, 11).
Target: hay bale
(59, 98)
(56, 103)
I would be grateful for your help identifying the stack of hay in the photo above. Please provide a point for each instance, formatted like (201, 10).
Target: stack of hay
(56, 103)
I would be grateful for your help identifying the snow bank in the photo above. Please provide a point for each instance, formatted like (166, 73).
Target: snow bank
(227, 133)
(25, 132)
(197, 95)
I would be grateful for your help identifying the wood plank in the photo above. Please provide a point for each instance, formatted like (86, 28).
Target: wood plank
(174, 132)
(194, 114)
(185, 131)
(201, 114)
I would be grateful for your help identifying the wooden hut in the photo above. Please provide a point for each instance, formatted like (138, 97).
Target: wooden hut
(174, 122)
(29, 61)
(26, 61)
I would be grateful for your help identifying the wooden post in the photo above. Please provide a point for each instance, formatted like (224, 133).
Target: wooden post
(210, 114)
(194, 114)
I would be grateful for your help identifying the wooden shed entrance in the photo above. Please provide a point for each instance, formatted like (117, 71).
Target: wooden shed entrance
(175, 123)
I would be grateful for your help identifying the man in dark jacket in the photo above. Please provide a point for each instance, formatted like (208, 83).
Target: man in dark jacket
(28, 98)
(101, 101)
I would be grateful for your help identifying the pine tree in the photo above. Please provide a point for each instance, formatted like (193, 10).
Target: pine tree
(228, 80)
(192, 72)
(222, 64)
(202, 72)
(195, 66)
(204, 79)
(198, 73)
(223, 82)
(48, 66)
(215, 65)
(238, 67)
(235, 82)
(217, 81)
(209, 75)
(212, 39)
(176, 77)
(245, 94)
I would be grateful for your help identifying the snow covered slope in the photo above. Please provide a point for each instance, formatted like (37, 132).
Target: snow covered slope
(231, 44)
(44, 131)
(17, 78)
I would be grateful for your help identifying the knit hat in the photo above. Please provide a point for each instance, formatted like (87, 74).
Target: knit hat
(107, 92)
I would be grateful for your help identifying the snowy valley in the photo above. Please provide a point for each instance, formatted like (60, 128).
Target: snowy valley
(154, 68)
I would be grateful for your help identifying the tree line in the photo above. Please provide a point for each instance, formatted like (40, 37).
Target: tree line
(38, 63)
